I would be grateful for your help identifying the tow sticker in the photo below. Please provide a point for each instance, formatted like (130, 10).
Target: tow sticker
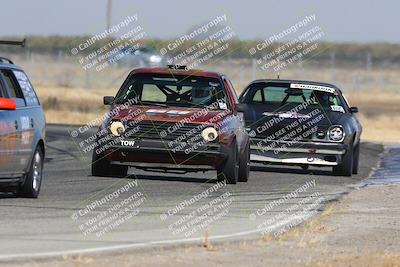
(127, 142)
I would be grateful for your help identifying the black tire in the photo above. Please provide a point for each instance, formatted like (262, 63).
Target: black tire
(356, 158)
(33, 179)
(304, 167)
(345, 168)
(229, 169)
(103, 168)
(244, 164)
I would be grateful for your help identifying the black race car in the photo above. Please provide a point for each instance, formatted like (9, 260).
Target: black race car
(22, 131)
(302, 123)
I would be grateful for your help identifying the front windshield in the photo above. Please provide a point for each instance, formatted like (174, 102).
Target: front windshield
(283, 97)
(174, 90)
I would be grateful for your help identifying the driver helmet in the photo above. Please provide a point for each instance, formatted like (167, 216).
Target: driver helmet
(201, 95)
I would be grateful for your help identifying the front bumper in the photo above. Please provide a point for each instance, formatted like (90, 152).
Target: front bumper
(165, 154)
(10, 181)
(297, 153)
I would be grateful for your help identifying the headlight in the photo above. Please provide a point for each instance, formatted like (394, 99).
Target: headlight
(336, 133)
(209, 134)
(117, 128)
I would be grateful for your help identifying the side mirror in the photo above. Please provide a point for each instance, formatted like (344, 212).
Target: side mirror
(108, 100)
(353, 109)
(241, 107)
(7, 104)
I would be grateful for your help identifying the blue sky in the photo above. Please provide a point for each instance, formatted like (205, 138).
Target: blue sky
(349, 21)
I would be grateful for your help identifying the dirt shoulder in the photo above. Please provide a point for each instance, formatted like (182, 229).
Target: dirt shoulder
(362, 229)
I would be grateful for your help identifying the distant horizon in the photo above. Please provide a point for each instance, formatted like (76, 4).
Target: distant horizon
(342, 21)
(21, 37)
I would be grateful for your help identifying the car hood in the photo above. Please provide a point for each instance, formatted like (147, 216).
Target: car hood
(262, 124)
(329, 117)
(168, 114)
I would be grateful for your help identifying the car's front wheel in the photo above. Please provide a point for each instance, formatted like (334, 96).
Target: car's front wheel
(229, 169)
(102, 167)
(33, 180)
(345, 168)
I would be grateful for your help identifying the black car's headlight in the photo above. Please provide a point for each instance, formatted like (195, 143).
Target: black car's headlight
(117, 128)
(336, 133)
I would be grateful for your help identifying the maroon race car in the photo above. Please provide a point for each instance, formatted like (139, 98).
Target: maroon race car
(173, 119)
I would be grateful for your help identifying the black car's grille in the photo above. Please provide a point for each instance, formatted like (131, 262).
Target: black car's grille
(275, 133)
(162, 130)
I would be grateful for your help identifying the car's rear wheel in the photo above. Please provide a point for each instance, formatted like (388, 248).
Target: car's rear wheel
(345, 168)
(356, 158)
(244, 164)
(33, 180)
(229, 170)
(102, 167)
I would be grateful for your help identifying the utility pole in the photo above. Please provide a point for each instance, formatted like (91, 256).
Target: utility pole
(109, 5)
(369, 61)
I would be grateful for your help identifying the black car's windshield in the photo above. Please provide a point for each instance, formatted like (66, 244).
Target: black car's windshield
(174, 90)
(283, 97)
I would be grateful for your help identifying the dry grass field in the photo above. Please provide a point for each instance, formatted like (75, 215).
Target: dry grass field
(379, 114)
(379, 111)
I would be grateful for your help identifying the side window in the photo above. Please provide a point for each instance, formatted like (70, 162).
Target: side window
(257, 98)
(13, 88)
(346, 101)
(26, 88)
(274, 94)
(2, 89)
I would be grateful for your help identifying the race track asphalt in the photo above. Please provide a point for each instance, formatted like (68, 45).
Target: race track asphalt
(157, 209)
